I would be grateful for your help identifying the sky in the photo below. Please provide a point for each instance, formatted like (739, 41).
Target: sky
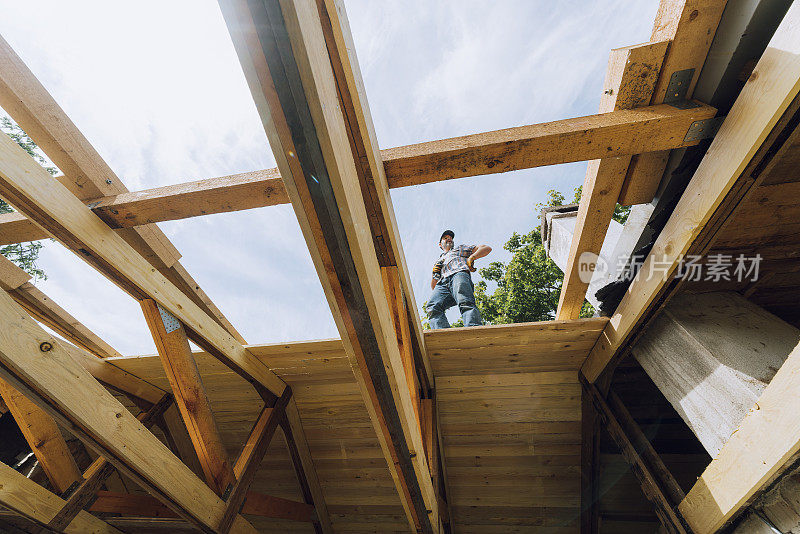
(157, 89)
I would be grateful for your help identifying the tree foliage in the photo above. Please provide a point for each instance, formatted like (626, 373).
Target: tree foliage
(23, 254)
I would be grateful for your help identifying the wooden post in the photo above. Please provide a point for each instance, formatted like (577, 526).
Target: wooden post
(653, 485)
(190, 395)
(250, 458)
(590, 467)
(98, 472)
(44, 438)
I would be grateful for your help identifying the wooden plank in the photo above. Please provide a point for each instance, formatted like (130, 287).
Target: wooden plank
(630, 78)
(114, 377)
(760, 106)
(190, 396)
(304, 468)
(86, 174)
(763, 446)
(531, 146)
(643, 447)
(146, 506)
(97, 473)
(590, 467)
(369, 165)
(397, 308)
(250, 457)
(29, 188)
(44, 438)
(47, 312)
(652, 486)
(689, 26)
(284, 55)
(70, 395)
(28, 498)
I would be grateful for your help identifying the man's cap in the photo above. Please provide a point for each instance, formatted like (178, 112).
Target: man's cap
(447, 232)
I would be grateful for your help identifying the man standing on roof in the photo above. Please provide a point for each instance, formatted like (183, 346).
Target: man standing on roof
(452, 282)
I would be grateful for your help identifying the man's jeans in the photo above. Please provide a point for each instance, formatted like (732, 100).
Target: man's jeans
(455, 289)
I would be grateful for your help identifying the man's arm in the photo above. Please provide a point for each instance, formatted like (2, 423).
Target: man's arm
(437, 273)
(478, 252)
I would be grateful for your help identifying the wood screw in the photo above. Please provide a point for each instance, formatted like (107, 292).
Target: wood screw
(45, 346)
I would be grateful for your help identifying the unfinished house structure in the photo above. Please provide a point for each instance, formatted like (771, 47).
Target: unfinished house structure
(677, 410)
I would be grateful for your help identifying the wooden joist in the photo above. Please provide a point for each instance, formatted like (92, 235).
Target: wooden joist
(97, 473)
(257, 504)
(44, 438)
(517, 148)
(28, 499)
(286, 61)
(251, 455)
(304, 468)
(689, 26)
(86, 174)
(655, 483)
(190, 395)
(747, 141)
(630, 79)
(17, 283)
(38, 365)
(25, 185)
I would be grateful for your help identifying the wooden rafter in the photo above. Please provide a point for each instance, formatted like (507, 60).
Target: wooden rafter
(689, 26)
(97, 473)
(25, 185)
(517, 148)
(16, 282)
(190, 396)
(25, 497)
(39, 366)
(280, 47)
(304, 467)
(630, 79)
(655, 483)
(752, 134)
(251, 455)
(44, 438)
(86, 174)
(145, 506)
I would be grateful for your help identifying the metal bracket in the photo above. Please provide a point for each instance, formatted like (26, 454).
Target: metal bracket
(170, 322)
(704, 129)
(678, 86)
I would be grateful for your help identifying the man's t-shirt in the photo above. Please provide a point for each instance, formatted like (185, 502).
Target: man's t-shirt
(454, 260)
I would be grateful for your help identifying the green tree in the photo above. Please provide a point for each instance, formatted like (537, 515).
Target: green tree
(528, 286)
(23, 254)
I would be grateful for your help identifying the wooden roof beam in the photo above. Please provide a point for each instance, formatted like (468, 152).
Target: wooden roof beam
(630, 79)
(86, 174)
(37, 365)
(287, 63)
(44, 438)
(173, 348)
(689, 26)
(769, 436)
(523, 147)
(28, 187)
(752, 137)
(30, 500)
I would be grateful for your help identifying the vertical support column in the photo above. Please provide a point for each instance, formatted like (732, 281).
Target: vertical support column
(590, 467)
(44, 437)
(190, 395)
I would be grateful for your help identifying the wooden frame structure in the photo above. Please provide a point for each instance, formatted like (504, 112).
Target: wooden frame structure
(299, 61)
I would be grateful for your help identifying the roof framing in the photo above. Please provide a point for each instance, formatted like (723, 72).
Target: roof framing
(292, 76)
(523, 147)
